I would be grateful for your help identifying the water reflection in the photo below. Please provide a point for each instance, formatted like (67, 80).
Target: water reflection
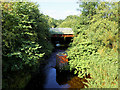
(70, 80)
(77, 82)
(63, 77)
(49, 77)
(56, 80)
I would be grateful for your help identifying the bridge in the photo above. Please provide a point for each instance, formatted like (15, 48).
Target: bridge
(61, 32)
(63, 36)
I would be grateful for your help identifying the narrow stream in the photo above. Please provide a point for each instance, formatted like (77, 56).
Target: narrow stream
(49, 77)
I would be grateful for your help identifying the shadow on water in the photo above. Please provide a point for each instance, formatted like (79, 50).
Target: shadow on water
(53, 77)
(46, 78)
(54, 81)
(37, 81)
(49, 77)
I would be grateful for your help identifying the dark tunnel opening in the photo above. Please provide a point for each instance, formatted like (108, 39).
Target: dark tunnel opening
(62, 41)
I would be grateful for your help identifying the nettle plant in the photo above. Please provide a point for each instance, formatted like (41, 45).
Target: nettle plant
(94, 50)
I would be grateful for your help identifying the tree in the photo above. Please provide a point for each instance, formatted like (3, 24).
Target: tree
(53, 23)
(95, 47)
(25, 39)
(69, 22)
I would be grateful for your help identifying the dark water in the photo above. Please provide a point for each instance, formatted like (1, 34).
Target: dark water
(53, 77)
(46, 78)
(49, 77)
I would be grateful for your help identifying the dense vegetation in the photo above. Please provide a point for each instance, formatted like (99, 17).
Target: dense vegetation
(25, 42)
(53, 23)
(69, 21)
(94, 49)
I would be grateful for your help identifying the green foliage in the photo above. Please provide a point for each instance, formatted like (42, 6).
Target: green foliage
(53, 23)
(18, 80)
(94, 49)
(88, 8)
(25, 37)
(69, 22)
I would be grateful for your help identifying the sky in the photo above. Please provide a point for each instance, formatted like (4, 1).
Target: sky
(58, 9)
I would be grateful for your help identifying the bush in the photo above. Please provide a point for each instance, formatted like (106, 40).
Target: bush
(95, 50)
